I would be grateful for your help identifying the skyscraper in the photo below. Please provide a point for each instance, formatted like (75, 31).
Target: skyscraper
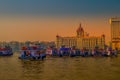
(115, 32)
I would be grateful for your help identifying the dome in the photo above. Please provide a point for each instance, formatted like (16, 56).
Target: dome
(80, 29)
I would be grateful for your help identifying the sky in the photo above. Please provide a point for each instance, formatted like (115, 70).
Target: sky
(42, 20)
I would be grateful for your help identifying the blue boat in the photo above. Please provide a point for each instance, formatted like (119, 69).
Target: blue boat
(7, 51)
(32, 54)
(63, 52)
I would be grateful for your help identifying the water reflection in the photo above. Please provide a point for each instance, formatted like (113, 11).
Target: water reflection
(32, 69)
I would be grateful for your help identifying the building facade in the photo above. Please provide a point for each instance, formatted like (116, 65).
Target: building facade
(81, 40)
(115, 32)
(66, 41)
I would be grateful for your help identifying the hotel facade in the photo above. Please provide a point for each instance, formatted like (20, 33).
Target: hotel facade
(81, 40)
(115, 32)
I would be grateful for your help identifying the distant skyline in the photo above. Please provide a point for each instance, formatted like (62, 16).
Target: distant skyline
(42, 20)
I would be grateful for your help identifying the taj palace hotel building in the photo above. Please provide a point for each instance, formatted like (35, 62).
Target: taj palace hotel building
(81, 40)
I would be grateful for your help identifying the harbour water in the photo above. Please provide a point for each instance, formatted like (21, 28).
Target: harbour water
(97, 68)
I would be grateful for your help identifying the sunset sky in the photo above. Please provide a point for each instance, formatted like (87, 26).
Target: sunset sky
(22, 20)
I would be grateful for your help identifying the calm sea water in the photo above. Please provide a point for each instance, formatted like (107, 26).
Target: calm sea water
(11, 68)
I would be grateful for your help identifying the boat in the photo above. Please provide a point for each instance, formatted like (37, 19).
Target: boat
(62, 52)
(32, 53)
(6, 51)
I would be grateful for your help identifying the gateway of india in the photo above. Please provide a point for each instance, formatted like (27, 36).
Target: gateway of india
(81, 40)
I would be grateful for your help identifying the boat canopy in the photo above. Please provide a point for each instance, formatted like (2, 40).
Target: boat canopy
(32, 48)
(65, 49)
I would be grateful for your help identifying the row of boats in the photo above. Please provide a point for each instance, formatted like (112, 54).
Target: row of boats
(38, 53)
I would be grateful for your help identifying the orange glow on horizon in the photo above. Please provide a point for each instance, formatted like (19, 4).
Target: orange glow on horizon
(46, 29)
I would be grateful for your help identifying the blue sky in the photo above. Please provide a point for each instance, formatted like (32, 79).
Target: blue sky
(60, 7)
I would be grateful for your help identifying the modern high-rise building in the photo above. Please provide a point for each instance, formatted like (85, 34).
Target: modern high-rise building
(115, 32)
(81, 40)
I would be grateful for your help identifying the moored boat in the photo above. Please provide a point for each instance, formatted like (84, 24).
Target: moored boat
(7, 51)
(32, 53)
